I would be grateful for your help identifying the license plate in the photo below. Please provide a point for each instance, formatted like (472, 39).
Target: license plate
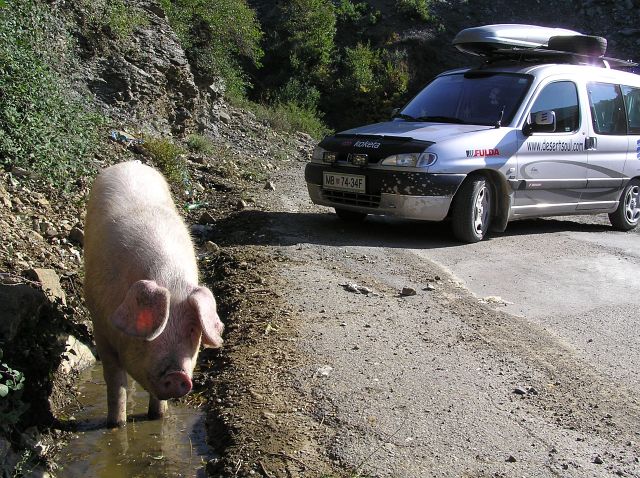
(343, 182)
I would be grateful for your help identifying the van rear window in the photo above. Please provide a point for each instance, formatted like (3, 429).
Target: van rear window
(482, 98)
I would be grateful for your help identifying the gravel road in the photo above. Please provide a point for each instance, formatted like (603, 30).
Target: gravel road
(515, 356)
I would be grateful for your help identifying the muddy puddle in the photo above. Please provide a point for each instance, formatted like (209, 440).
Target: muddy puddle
(172, 447)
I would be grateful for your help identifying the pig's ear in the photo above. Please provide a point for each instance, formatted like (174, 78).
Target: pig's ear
(203, 301)
(144, 312)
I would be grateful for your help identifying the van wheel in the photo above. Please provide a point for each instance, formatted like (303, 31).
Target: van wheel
(627, 215)
(472, 209)
(350, 216)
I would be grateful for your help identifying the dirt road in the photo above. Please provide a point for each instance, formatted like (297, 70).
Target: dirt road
(517, 356)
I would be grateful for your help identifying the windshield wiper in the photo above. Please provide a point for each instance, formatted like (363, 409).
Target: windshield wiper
(441, 119)
(404, 117)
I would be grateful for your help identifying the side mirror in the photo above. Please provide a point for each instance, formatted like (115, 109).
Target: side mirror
(394, 112)
(540, 122)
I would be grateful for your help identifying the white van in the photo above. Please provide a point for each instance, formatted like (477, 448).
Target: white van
(546, 126)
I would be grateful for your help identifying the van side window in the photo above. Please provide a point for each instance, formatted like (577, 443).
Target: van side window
(560, 97)
(607, 108)
(632, 105)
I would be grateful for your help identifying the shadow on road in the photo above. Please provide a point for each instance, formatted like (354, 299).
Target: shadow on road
(287, 228)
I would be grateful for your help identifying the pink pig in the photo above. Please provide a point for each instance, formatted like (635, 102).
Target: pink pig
(141, 286)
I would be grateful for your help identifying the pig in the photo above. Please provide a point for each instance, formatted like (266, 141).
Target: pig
(149, 313)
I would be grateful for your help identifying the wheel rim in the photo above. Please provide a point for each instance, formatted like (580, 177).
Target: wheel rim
(632, 204)
(481, 211)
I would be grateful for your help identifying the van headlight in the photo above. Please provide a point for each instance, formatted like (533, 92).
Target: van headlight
(411, 160)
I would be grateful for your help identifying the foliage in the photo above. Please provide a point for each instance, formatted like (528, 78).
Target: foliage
(219, 37)
(111, 16)
(287, 117)
(43, 129)
(11, 405)
(415, 8)
(309, 31)
(167, 156)
(199, 144)
(371, 82)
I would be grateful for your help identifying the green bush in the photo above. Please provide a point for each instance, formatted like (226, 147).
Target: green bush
(43, 128)
(111, 16)
(287, 117)
(11, 405)
(199, 144)
(220, 37)
(167, 156)
(371, 82)
(309, 31)
(415, 8)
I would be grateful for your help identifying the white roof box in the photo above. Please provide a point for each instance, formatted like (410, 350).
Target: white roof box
(489, 38)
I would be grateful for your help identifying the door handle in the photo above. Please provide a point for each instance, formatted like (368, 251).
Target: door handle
(590, 143)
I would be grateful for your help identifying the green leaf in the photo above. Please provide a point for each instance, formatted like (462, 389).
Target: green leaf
(4, 390)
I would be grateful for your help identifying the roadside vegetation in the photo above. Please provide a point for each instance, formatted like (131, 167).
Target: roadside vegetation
(43, 129)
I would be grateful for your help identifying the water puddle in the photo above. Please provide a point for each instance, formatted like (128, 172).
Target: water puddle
(172, 447)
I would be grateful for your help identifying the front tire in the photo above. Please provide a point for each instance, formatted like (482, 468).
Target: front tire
(627, 215)
(472, 209)
(350, 216)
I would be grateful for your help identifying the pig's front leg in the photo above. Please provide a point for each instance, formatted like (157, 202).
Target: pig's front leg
(157, 408)
(116, 379)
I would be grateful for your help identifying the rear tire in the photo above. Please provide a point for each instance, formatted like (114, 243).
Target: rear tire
(472, 209)
(350, 216)
(627, 215)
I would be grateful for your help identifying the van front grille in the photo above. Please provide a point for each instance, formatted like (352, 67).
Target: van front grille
(352, 199)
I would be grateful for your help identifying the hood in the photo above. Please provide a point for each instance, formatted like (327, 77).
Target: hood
(432, 132)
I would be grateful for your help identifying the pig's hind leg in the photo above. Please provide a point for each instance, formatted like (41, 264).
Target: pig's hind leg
(157, 408)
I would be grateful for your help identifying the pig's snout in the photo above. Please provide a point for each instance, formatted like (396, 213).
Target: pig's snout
(174, 385)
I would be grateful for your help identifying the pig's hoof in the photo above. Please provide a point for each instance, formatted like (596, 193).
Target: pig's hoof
(116, 423)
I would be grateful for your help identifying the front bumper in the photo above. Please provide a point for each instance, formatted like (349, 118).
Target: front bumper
(406, 194)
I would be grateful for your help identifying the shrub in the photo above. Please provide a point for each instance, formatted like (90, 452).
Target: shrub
(167, 156)
(113, 16)
(219, 37)
(287, 117)
(11, 405)
(371, 82)
(309, 31)
(199, 144)
(415, 8)
(43, 128)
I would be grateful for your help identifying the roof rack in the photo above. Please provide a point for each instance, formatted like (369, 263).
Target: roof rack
(545, 55)
(535, 44)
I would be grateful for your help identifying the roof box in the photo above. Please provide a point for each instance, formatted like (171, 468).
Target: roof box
(487, 39)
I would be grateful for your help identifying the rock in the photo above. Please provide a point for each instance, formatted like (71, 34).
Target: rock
(212, 247)
(429, 287)
(76, 235)
(224, 117)
(269, 186)
(50, 284)
(407, 291)
(519, 391)
(77, 356)
(324, 371)
(241, 204)
(511, 459)
(206, 218)
(598, 460)
(18, 303)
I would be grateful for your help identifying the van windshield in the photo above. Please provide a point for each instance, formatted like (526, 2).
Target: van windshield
(482, 98)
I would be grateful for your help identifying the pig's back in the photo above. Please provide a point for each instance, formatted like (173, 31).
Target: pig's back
(132, 232)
